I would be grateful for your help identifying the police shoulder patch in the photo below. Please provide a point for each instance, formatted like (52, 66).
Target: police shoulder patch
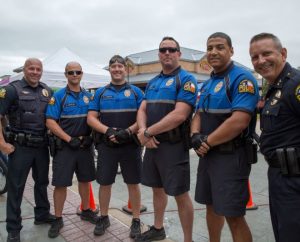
(2, 93)
(51, 101)
(246, 86)
(297, 92)
(190, 87)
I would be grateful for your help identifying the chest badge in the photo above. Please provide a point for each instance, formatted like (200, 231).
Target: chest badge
(278, 94)
(86, 99)
(127, 93)
(218, 86)
(45, 93)
(274, 101)
(169, 82)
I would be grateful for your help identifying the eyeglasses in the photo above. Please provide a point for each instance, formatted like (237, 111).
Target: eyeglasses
(170, 49)
(72, 73)
(117, 58)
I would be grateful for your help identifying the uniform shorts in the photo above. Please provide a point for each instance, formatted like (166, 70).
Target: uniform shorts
(167, 167)
(129, 158)
(67, 161)
(222, 181)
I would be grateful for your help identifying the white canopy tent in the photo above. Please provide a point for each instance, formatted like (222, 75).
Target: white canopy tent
(54, 67)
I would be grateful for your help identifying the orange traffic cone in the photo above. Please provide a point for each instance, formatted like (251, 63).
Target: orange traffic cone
(128, 208)
(250, 205)
(92, 204)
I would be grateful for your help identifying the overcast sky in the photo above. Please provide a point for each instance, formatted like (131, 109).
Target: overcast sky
(98, 29)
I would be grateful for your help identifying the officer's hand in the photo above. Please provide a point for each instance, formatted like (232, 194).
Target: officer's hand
(123, 136)
(74, 143)
(196, 141)
(152, 143)
(110, 132)
(7, 148)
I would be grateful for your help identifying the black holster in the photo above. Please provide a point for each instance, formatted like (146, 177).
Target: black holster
(289, 161)
(251, 151)
(52, 145)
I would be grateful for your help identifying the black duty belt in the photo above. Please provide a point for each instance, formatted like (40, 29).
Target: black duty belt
(273, 163)
(230, 146)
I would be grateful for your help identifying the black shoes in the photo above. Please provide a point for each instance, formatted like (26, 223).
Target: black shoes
(135, 228)
(13, 236)
(101, 225)
(55, 228)
(152, 234)
(48, 220)
(89, 215)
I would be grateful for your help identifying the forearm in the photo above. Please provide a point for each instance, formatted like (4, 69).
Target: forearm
(53, 126)
(196, 123)
(94, 122)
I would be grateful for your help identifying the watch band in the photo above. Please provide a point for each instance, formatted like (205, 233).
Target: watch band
(146, 134)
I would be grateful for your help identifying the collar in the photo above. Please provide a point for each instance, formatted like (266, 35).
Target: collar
(24, 83)
(173, 73)
(223, 73)
(283, 76)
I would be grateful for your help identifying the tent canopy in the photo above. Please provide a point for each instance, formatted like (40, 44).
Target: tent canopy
(54, 68)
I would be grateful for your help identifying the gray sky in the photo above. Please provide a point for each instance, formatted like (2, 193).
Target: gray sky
(98, 29)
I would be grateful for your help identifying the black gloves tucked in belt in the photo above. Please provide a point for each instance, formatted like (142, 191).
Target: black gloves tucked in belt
(109, 132)
(123, 136)
(197, 139)
(74, 143)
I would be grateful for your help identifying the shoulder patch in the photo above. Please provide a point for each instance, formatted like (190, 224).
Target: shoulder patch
(190, 87)
(2, 93)
(51, 101)
(297, 92)
(246, 86)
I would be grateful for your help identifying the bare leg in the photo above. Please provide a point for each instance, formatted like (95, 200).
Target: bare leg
(84, 192)
(239, 229)
(186, 215)
(160, 201)
(59, 197)
(215, 224)
(135, 199)
(104, 199)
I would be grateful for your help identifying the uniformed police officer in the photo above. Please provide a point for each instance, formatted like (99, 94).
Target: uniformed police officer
(24, 102)
(163, 129)
(280, 137)
(73, 152)
(221, 137)
(112, 114)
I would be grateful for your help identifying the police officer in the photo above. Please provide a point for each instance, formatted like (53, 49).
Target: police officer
(73, 152)
(24, 102)
(221, 137)
(163, 129)
(112, 114)
(280, 137)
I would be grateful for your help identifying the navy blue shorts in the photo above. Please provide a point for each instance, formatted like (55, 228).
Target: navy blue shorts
(222, 181)
(167, 167)
(67, 161)
(129, 157)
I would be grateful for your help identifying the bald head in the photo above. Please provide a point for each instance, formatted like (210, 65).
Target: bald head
(33, 61)
(33, 69)
(72, 64)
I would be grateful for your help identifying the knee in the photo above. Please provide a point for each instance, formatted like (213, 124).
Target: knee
(235, 222)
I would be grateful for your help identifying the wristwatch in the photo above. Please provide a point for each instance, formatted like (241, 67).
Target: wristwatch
(146, 134)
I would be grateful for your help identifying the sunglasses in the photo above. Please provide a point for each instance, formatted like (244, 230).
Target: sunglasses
(72, 73)
(118, 59)
(170, 49)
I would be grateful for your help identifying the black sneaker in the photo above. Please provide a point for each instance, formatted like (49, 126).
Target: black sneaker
(135, 228)
(89, 215)
(13, 236)
(55, 227)
(101, 225)
(152, 234)
(48, 220)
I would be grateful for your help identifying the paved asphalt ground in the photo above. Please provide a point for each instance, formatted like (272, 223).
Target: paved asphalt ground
(258, 220)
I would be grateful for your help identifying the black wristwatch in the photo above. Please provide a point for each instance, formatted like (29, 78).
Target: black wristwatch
(146, 134)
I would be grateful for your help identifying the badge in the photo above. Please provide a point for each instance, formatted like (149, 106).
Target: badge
(127, 93)
(51, 101)
(218, 86)
(274, 101)
(278, 94)
(246, 86)
(169, 82)
(2, 93)
(45, 93)
(86, 99)
(190, 87)
(297, 92)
